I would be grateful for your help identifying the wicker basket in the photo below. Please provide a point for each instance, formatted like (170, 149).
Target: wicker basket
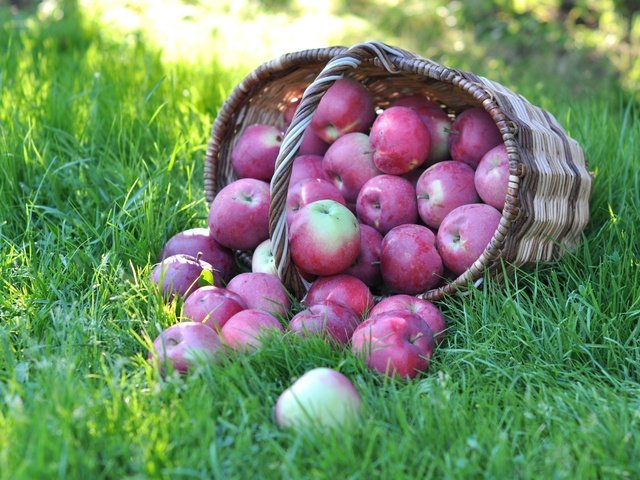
(547, 204)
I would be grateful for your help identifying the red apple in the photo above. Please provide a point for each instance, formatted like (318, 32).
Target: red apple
(342, 289)
(262, 260)
(492, 177)
(322, 397)
(399, 140)
(473, 133)
(179, 274)
(261, 291)
(330, 319)
(306, 166)
(212, 306)
(312, 144)
(465, 233)
(310, 190)
(387, 201)
(423, 308)
(239, 215)
(255, 152)
(443, 187)
(184, 345)
(409, 261)
(246, 329)
(345, 107)
(324, 238)
(396, 342)
(367, 264)
(416, 102)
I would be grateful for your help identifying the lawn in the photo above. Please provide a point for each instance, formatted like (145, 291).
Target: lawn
(102, 141)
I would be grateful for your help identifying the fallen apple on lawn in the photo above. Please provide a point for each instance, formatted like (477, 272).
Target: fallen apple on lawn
(179, 275)
(327, 318)
(261, 291)
(246, 329)
(212, 306)
(344, 289)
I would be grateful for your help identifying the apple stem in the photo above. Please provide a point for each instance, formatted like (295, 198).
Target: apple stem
(199, 256)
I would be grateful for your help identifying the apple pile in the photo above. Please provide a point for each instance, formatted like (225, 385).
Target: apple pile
(390, 200)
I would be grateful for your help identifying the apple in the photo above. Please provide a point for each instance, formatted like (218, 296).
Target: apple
(323, 398)
(324, 238)
(387, 201)
(328, 318)
(306, 166)
(465, 233)
(342, 289)
(246, 329)
(409, 261)
(262, 260)
(366, 267)
(309, 190)
(239, 214)
(423, 308)
(312, 144)
(212, 306)
(261, 291)
(348, 164)
(492, 177)
(347, 106)
(400, 141)
(395, 342)
(416, 102)
(443, 187)
(179, 274)
(473, 133)
(198, 241)
(255, 152)
(183, 345)
(290, 110)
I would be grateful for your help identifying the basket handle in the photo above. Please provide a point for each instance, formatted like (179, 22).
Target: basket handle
(378, 52)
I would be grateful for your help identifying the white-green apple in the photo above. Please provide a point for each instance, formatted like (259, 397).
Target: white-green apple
(309, 190)
(262, 260)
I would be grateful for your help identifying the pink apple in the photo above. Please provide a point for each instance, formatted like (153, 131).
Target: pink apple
(348, 164)
(184, 345)
(290, 110)
(310, 190)
(465, 233)
(322, 397)
(423, 308)
(330, 319)
(179, 274)
(306, 166)
(409, 261)
(396, 342)
(246, 329)
(416, 102)
(400, 141)
(367, 264)
(255, 152)
(342, 289)
(443, 187)
(473, 133)
(197, 241)
(324, 238)
(492, 177)
(345, 107)
(239, 214)
(312, 144)
(261, 291)
(262, 260)
(387, 201)
(212, 306)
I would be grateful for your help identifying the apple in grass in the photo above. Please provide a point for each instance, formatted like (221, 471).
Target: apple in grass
(396, 342)
(366, 267)
(342, 289)
(306, 166)
(409, 260)
(465, 233)
(423, 308)
(324, 238)
(184, 345)
(400, 141)
(198, 241)
(492, 177)
(328, 318)
(321, 398)
(255, 152)
(387, 201)
(212, 306)
(262, 260)
(261, 291)
(309, 190)
(348, 164)
(473, 133)
(246, 330)
(347, 106)
(239, 214)
(179, 275)
(443, 187)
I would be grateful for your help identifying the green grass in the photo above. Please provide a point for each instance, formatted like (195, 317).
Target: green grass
(101, 146)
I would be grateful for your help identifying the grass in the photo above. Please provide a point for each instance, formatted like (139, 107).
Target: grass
(101, 145)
